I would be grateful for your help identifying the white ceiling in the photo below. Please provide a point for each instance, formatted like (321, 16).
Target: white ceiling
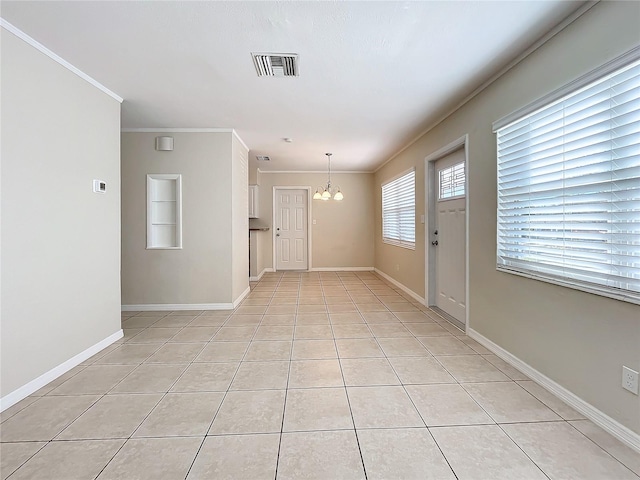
(373, 75)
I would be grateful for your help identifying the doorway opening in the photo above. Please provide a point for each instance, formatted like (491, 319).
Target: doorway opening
(447, 232)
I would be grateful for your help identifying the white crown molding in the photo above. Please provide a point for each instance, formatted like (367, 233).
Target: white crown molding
(584, 8)
(582, 81)
(601, 419)
(56, 58)
(36, 384)
(337, 172)
(341, 269)
(177, 130)
(402, 287)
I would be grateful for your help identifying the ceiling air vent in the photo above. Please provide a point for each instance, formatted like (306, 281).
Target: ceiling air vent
(276, 64)
(263, 158)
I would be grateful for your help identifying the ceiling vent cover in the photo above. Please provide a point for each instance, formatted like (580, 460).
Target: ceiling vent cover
(276, 64)
(263, 158)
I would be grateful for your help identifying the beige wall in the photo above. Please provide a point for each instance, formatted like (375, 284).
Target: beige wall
(60, 241)
(343, 234)
(577, 339)
(201, 272)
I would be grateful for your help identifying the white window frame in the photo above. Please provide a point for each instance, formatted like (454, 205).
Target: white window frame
(619, 286)
(406, 207)
(452, 169)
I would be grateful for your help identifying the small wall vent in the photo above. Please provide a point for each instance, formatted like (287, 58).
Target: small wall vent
(276, 64)
(262, 158)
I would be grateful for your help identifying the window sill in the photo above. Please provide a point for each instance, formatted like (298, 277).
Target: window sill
(399, 244)
(622, 295)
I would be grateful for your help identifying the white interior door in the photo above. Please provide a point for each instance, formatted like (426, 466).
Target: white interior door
(449, 236)
(291, 229)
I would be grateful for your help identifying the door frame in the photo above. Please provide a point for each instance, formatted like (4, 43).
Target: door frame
(429, 224)
(273, 223)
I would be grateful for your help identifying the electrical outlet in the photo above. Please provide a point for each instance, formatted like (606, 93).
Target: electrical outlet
(397, 268)
(630, 380)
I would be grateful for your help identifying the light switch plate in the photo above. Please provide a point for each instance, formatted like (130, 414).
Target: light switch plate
(99, 186)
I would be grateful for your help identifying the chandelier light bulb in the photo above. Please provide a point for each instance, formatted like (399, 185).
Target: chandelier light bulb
(327, 192)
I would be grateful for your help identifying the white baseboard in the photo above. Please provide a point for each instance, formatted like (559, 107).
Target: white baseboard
(341, 269)
(237, 301)
(615, 428)
(401, 286)
(167, 307)
(39, 382)
(257, 278)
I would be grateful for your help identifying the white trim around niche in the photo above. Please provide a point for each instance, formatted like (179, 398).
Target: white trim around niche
(622, 433)
(47, 377)
(56, 58)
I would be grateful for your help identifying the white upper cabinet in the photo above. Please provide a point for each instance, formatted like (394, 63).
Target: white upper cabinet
(253, 201)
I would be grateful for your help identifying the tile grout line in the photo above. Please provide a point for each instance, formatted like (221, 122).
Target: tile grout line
(163, 396)
(413, 403)
(286, 391)
(346, 391)
(206, 434)
(348, 285)
(598, 445)
(225, 393)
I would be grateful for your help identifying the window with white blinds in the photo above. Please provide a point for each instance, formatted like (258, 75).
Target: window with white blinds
(399, 211)
(569, 188)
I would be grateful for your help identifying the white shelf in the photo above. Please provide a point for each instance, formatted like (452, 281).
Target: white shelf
(164, 211)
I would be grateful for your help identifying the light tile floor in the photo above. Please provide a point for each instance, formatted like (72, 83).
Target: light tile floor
(316, 375)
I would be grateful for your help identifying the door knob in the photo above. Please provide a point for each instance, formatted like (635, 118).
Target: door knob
(277, 234)
(434, 243)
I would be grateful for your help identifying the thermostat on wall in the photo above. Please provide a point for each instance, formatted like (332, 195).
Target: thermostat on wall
(99, 186)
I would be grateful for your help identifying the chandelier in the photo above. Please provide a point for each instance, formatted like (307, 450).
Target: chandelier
(325, 193)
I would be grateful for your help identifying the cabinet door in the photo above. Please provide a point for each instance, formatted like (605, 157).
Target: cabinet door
(253, 201)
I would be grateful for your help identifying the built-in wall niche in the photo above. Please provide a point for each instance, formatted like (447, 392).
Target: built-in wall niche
(164, 211)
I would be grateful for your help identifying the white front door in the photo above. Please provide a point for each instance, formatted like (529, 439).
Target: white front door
(449, 237)
(291, 229)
